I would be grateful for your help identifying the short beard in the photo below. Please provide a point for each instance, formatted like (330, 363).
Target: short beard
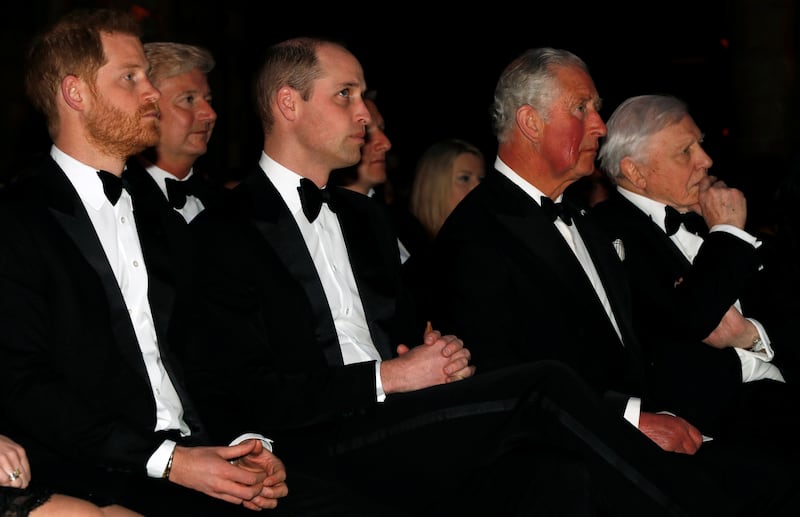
(121, 135)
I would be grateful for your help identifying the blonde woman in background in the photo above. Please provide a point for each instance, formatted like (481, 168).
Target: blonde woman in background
(445, 173)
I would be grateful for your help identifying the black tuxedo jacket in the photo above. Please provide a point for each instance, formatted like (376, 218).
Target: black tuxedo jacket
(261, 293)
(516, 292)
(78, 398)
(677, 304)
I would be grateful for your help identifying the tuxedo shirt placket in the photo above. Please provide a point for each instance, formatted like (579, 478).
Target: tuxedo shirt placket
(326, 245)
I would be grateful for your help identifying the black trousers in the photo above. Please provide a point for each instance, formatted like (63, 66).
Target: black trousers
(529, 440)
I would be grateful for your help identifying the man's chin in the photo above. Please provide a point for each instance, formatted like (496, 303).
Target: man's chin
(152, 135)
(146, 142)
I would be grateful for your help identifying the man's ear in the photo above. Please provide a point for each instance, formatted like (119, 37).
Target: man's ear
(633, 172)
(72, 92)
(530, 123)
(287, 102)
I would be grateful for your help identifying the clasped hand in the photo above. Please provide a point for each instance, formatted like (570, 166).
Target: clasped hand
(245, 474)
(438, 360)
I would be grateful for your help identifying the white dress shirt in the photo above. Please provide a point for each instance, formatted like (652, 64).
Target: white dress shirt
(325, 243)
(755, 365)
(193, 204)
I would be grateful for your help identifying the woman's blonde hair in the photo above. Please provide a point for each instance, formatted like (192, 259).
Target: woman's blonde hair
(433, 180)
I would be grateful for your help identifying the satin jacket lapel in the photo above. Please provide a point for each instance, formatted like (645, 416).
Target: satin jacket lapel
(526, 220)
(612, 274)
(271, 217)
(658, 239)
(369, 269)
(68, 210)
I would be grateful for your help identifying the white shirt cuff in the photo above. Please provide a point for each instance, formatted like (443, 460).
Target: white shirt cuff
(266, 442)
(378, 384)
(632, 411)
(158, 461)
(766, 353)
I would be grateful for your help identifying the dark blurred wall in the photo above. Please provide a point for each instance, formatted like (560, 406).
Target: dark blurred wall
(764, 75)
(766, 134)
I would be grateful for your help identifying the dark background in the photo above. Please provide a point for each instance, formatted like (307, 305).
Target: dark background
(734, 61)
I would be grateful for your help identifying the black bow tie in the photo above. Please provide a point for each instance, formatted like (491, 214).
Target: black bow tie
(692, 221)
(312, 197)
(177, 190)
(112, 185)
(553, 210)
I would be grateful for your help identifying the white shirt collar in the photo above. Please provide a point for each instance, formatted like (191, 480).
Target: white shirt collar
(83, 178)
(529, 189)
(160, 175)
(655, 209)
(285, 180)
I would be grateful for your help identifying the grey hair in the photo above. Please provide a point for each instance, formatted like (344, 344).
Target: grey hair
(529, 79)
(632, 125)
(168, 59)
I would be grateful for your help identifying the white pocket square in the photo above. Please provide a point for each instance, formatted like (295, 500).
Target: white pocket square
(620, 249)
